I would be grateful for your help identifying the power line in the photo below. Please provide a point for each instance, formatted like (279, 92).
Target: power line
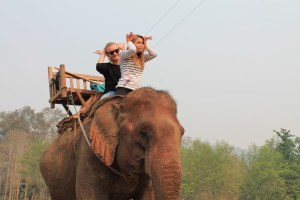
(162, 17)
(180, 22)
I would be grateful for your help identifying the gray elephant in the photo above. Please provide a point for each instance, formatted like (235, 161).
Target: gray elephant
(138, 138)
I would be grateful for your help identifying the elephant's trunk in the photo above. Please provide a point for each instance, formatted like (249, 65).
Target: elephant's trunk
(166, 173)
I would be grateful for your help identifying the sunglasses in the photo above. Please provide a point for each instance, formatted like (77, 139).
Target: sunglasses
(113, 52)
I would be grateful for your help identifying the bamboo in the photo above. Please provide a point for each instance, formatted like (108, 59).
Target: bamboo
(26, 188)
(8, 173)
(17, 186)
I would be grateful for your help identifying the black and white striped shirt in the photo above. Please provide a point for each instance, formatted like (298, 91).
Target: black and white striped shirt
(131, 74)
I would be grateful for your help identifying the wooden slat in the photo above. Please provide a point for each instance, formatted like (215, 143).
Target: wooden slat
(53, 90)
(87, 92)
(80, 76)
(89, 77)
(50, 73)
(78, 84)
(49, 79)
(73, 90)
(84, 85)
(63, 85)
(71, 83)
(99, 78)
(81, 99)
(55, 97)
(92, 99)
(81, 96)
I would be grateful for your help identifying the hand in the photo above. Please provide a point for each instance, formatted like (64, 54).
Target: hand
(100, 52)
(129, 37)
(122, 45)
(147, 38)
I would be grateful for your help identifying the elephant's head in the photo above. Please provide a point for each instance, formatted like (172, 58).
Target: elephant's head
(149, 138)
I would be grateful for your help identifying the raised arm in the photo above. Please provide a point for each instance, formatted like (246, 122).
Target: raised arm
(131, 49)
(121, 45)
(102, 55)
(151, 52)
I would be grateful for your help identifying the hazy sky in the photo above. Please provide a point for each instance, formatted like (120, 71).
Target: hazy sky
(233, 66)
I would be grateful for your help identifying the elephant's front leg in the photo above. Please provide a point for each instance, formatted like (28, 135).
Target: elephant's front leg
(86, 188)
(92, 177)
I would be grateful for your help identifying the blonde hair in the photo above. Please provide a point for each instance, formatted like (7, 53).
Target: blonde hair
(108, 45)
(139, 60)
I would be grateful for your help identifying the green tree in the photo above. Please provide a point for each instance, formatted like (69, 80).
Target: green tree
(33, 182)
(23, 135)
(195, 157)
(288, 146)
(26, 119)
(19, 119)
(210, 172)
(12, 148)
(263, 177)
(51, 117)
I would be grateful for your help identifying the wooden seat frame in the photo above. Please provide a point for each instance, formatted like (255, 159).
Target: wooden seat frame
(61, 93)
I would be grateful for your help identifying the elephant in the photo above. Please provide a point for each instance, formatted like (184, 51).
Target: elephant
(134, 151)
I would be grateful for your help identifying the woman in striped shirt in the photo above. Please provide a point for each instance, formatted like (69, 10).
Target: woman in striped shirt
(132, 62)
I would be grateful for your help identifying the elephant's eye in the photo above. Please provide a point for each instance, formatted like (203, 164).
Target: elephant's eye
(143, 133)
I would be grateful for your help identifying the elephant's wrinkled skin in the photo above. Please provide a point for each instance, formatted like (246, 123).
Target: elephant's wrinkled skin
(147, 155)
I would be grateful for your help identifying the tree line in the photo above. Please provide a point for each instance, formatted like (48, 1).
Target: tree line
(24, 134)
(209, 171)
(267, 172)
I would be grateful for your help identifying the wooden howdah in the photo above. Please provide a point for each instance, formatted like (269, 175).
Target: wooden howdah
(68, 88)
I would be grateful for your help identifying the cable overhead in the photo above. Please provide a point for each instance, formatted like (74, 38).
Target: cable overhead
(180, 22)
(162, 17)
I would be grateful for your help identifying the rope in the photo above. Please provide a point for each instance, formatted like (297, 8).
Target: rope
(162, 17)
(87, 139)
(69, 113)
(74, 136)
(180, 22)
(80, 123)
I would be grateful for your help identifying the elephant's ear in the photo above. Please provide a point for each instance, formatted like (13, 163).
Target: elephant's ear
(104, 130)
